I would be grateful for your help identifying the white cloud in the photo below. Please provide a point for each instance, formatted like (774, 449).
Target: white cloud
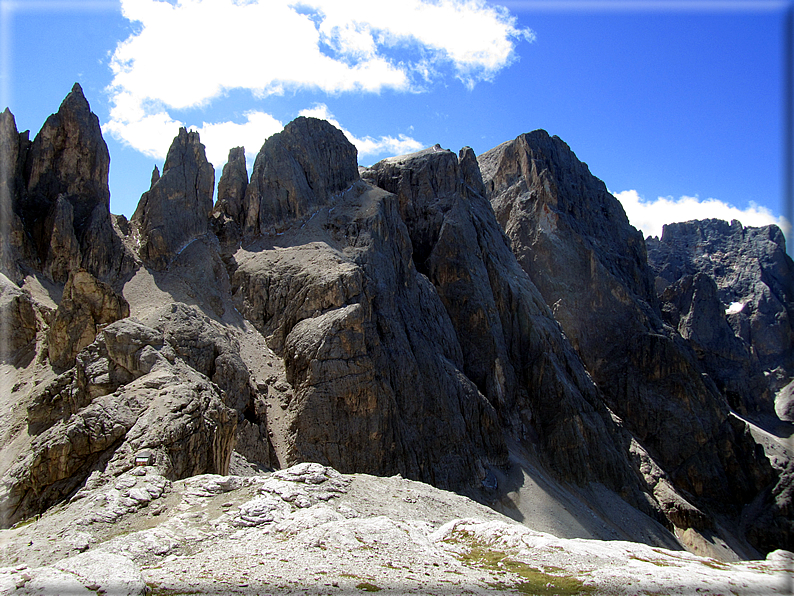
(187, 53)
(650, 216)
(478, 39)
(219, 137)
(151, 135)
(367, 145)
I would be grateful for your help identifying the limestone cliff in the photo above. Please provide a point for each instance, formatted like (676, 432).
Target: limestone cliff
(296, 171)
(512, 348)
(60, 193)
(754, 283)
(228, 215)
(368, 347)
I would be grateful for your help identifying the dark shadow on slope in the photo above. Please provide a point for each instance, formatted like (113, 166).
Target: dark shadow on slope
(529, 494)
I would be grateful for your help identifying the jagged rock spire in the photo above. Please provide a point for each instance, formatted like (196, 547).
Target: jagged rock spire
(175, 210)
(63, 175)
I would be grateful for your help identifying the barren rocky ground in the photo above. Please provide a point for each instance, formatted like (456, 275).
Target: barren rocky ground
(310, 530)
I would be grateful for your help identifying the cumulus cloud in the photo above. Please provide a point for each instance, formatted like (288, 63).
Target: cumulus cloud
(219, 137)
(650, 216)
(185, 54)
(367, 146)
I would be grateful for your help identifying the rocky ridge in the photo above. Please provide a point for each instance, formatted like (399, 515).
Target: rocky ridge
(57, 191)
(182, 193)
(462, 321)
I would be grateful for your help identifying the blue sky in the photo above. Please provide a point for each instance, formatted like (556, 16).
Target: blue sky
(677, 105)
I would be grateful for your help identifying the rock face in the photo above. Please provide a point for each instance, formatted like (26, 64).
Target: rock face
(368, 348)
(68, 157)
(755, 284)
(296, 171)
(130, 390)
(573, 239)
(18, 324)
(549, 204)
(691, 305)
(512, 348)
(55, 196)
(86, 307)
(213, 351)
(232, 187)
(175, 210)
(64, 203)
(228, 215)
(12, 234)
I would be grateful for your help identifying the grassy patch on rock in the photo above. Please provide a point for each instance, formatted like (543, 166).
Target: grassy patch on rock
(530, 580)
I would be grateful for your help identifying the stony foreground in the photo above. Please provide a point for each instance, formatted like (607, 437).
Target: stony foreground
(310, 530)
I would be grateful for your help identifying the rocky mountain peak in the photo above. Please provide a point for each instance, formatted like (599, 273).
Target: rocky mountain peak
(470, 172)
(185, 151)
(691, 246)
(427, 183)
(562, 193)
(228, 215)
(573, 239)
(175, 210)
(11, 181)
(296, 171)
(60, 194)
(155, 176)
(69, 157)
(232, 186)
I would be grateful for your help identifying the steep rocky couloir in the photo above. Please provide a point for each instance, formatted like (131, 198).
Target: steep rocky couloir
(573, 239)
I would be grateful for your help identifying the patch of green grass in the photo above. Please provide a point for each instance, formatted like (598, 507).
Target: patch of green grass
(715, 564)
(368, 587)
(657, 563)
(533, 580)
(153, 589)
(24, 522)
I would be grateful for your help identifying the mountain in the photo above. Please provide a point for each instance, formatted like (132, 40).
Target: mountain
(490, 325)
(753, 278)
(573, 239)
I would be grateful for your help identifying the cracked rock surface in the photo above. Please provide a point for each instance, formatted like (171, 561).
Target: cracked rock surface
(310, 530)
